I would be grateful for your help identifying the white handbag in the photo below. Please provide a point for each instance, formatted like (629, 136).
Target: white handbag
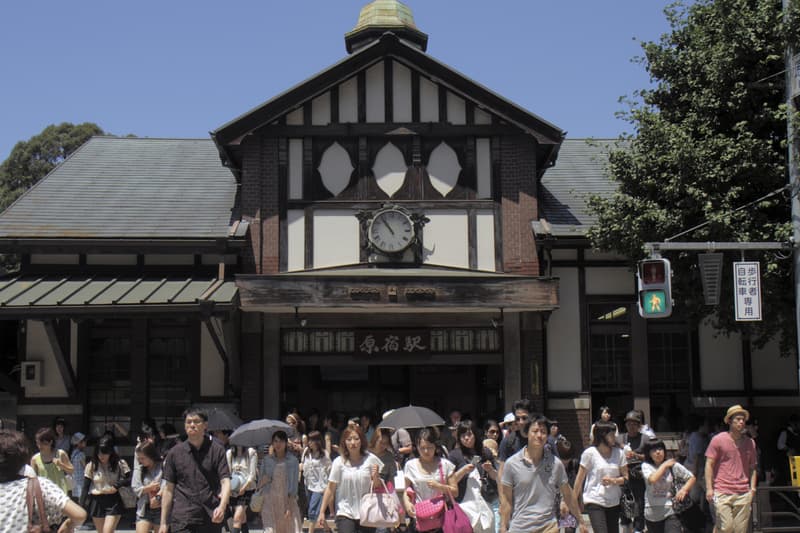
(379, 509)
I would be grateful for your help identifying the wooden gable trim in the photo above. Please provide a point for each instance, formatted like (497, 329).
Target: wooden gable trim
(388, 46)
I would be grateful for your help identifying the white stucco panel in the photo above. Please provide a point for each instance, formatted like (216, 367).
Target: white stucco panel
(720, 359)
(321, 110)
(335, 168)
(37, 348)
(296, 169)
(295, 239)
(401, 92)
(376, 108)
(456, 109)
(348, 101)
(295, 118)
(446, 238)
(564, 335)
(428, 100)
(336, 233)
(390, 169)
(484, 222)
(482, 117)
(773, 369)
(610, 280)
(443, 168)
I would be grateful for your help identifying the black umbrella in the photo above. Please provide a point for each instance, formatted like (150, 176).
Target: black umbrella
(222, 420)
(411, 416)
(258, 432)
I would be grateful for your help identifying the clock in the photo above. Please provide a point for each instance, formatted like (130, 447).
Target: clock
(391, 230)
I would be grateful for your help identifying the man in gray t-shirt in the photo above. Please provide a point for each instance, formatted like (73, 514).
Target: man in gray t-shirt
(530, 482)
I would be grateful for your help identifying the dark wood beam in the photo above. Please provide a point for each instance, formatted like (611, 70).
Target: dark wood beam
(350, 129)
(393, 293)
(62, 359)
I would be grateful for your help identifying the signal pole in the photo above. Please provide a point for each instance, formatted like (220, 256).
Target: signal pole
(794, 175)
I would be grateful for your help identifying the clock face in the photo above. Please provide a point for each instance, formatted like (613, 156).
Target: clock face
(391, 231)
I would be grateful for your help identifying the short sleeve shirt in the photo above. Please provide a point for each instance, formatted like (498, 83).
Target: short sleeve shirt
(352, 482)
(419, 477)
(534, 489)
(597, 467)
(658, 495)
(733, 463)
(14, 513)
(193, 498)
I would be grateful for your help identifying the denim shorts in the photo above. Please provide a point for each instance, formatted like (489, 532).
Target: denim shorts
(314, 501)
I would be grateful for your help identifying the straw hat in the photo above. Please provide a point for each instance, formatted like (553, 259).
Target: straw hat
(735, 410)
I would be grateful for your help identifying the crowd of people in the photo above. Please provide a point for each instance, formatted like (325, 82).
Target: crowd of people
(518, 474)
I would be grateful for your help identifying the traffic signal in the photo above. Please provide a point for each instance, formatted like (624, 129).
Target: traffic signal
(655, 290)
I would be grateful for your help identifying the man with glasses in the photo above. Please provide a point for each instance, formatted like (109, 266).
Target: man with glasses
(198, 481)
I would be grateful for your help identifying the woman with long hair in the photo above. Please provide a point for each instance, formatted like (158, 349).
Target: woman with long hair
(604, 470)
(243, 465)
(279, 476)
(603, 415)
(491, 430)
(659, 474)
(476, 475)
(430, 474)
(51, 462)
(146, 484)
(315, 466)
(15, 453)
(352, 474)
(103, 477)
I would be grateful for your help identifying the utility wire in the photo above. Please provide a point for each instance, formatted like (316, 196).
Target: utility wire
(745, 206)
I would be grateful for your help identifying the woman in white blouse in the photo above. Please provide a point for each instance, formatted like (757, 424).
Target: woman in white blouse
(429, 475)
(604, 470)
(351, 476)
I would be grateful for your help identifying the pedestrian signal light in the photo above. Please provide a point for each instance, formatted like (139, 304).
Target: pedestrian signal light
(655, 291)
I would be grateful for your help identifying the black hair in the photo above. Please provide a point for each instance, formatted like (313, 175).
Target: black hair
(15, 453)
(105, 446)
(464, 427)
(523, 403)
(195, 411)
(431, 436)
(535, 419)
(46, 435)
(601, 429)
(649, 446)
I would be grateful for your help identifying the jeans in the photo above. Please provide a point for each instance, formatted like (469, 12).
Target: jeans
(314, 501)
(603, 519)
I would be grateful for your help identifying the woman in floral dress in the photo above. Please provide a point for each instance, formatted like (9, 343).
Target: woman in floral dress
(279, 476)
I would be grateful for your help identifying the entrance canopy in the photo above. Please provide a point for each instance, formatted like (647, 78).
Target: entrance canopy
(56, 296)
(396, 290)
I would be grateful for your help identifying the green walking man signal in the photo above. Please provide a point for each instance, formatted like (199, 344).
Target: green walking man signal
(655, 292)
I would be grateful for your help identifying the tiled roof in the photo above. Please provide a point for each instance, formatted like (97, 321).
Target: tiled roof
(579, 172)
(129, 188)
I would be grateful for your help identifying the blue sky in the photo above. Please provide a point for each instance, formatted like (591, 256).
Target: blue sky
(181, 68)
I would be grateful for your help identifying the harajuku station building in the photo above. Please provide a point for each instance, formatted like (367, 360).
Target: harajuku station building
(388, 231)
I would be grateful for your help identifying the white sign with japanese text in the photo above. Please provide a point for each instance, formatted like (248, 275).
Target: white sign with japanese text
(747, 290)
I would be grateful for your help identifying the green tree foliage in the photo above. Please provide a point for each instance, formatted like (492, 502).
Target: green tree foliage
(710, 137)
(31, 160)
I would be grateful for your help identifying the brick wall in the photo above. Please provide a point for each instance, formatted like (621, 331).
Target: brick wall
(574, 424)
(518, 204)
(261, 204)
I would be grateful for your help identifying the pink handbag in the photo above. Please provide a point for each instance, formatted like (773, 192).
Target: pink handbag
(379, 509)
(430, 512)
(455, 519)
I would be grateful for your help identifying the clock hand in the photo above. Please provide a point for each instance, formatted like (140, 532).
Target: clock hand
(388, 226)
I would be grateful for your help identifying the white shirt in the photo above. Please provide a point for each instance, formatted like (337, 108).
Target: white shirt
(14, 511)
(597, 467)
(419, 477)
(352, 482)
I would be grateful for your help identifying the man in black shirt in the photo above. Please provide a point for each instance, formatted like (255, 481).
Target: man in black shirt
(198, 481)
(632, 442)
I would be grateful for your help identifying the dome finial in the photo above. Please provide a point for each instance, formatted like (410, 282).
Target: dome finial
(380, 16)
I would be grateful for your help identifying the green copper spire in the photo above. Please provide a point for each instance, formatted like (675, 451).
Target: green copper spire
(380, 16)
